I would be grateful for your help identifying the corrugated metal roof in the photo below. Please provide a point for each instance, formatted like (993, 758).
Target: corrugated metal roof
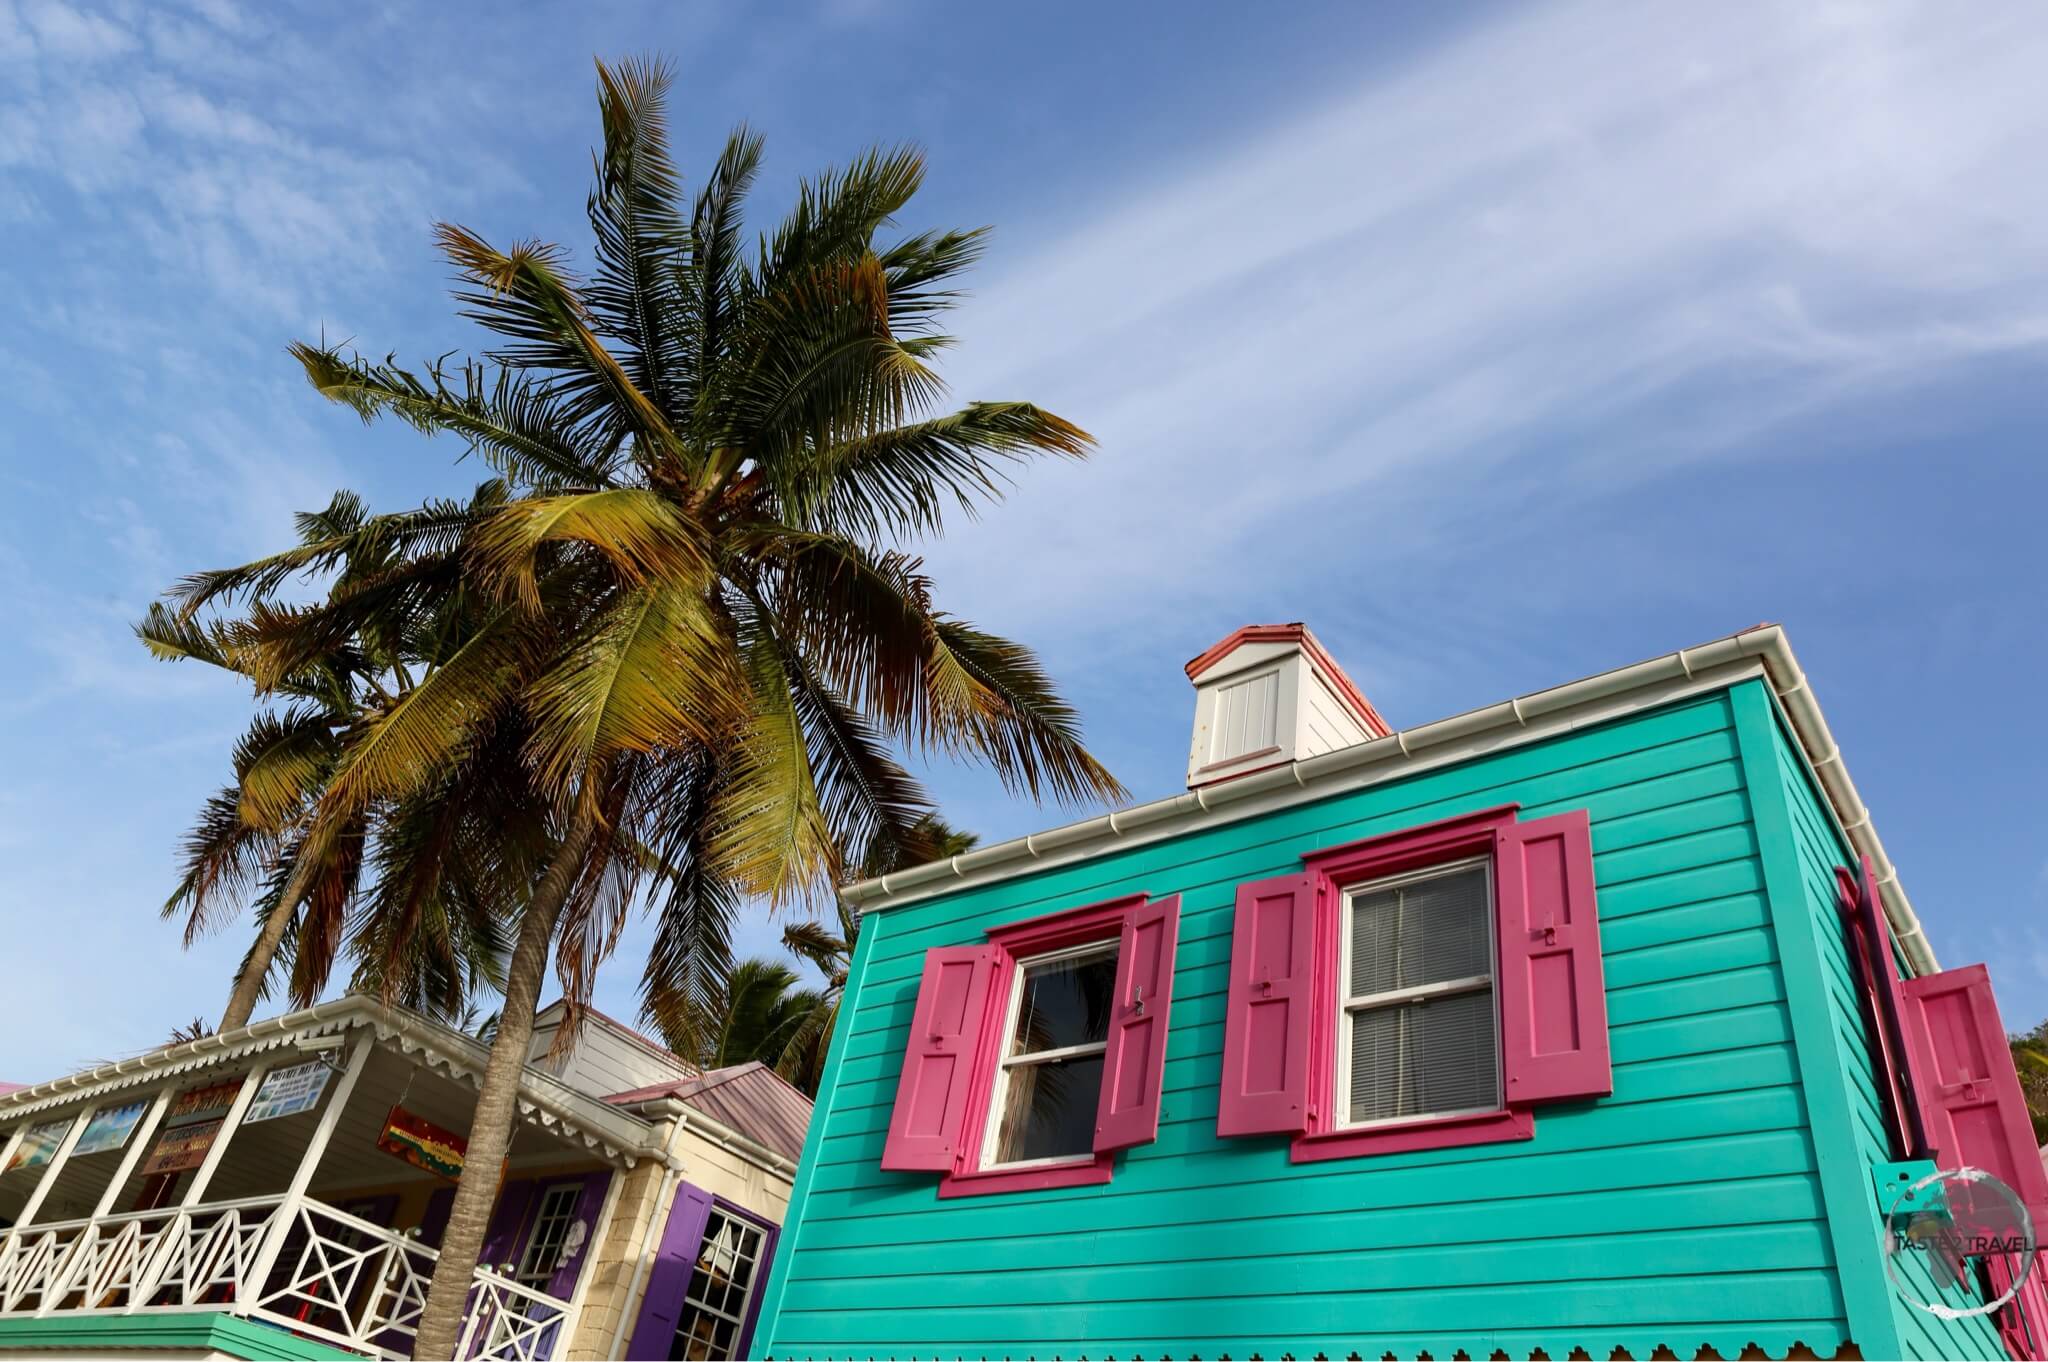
(751, 1098)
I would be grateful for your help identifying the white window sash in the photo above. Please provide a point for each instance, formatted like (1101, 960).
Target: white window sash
(1340, 1097)
(999, 1099)
(1421, 993)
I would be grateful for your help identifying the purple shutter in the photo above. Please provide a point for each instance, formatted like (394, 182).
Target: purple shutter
(938, 1061)
(661, 1307)
(1266, 1023)
(501, 1237)
(434, 1220)
(772, 1237)
(1128, 1111)
(1553, 1001)
(1974, 1100)
(589, 1205)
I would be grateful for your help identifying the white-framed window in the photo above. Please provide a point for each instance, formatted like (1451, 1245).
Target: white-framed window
(1049, 1075)
(1418, 1029)
(551, 1222)
(721, 1289)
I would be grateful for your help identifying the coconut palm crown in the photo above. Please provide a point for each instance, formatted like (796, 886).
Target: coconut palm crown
(694, 603)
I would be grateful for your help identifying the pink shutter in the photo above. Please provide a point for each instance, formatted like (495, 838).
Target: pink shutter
(1266, 1026)
(1553, 1003)
(1973, 1097)
(1908, 1082)
(938, 1062)
(1128, 1112)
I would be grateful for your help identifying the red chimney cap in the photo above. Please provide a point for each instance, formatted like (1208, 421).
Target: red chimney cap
(1296, 633)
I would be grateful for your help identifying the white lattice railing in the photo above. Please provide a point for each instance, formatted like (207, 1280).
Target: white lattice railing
(331, 1276)
(507, 1320)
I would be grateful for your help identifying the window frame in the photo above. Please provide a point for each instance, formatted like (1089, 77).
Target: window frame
(1006, 1062)
(1092, 925)
(751, 1303)
(1336, 871)
(572, 1189)
(1347, 1005)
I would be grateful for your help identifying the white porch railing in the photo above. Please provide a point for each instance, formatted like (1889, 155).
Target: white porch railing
(332, 1277)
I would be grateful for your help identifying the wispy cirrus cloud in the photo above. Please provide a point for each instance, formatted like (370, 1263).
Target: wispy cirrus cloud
(1503, 267)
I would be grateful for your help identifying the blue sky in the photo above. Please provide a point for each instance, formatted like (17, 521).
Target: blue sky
(1503, 346)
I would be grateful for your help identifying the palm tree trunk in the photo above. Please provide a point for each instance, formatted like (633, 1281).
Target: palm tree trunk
(497, 1100)
(249, 983)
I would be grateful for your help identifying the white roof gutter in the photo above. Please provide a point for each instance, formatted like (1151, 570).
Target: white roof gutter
(1710, 666)
(544, 1100)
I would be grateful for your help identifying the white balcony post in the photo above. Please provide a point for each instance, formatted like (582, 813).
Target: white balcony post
(139, 1141)
(170, 1237)
(229, 1124)
(13, 1143)
(44, 1185)
(309, 1161)
(53, 1168)
(6, 1157)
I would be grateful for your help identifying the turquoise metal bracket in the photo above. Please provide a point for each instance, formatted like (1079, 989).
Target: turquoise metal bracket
(1896, 1195)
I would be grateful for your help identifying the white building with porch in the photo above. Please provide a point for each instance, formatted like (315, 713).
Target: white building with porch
(279, 1191)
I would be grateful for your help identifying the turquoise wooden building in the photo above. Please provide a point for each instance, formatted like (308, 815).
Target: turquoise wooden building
(1592, 1020)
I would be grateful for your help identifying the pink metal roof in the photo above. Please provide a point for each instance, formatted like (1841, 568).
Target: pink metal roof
(750, 1098)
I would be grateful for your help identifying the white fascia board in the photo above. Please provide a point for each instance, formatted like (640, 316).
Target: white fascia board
(543, 1099)
(1763, 651)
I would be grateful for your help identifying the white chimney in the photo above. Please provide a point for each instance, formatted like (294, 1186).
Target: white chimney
(1267, 695)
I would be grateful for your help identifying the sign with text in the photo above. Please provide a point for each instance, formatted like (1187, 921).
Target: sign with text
(182, 1148)
(287, 1092)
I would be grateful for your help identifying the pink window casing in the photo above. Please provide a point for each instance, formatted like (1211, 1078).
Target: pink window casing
(945, 1135)
(1280, 1028)
(1902, 1084)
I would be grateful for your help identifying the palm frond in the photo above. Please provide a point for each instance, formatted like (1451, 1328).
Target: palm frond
(508, 419)
(529, 296)
(222, 856)
(405, 745)
(172, 637)
(1013, 718)
(899, 482)
(639, 533)
(715, 281)
(694, 909)
(771, 834)
(280, 763)
(642, 242)
(652, 672)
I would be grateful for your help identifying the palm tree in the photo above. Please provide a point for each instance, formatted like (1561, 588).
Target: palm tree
(760, 1015)
(830, 948)
(2030, 1057)
(427, 929)
(689, 605)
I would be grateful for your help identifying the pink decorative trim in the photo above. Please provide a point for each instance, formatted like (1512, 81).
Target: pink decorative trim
(1328, 871)
(1391, 853)
(1083, 1173)
(1016, 941)
(1068, 927)
(1297, 632)
(1443, 1132)
(1394, 853)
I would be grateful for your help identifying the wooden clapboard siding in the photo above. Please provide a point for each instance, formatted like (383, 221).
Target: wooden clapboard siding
(1820, 848)
(1687, 1209)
